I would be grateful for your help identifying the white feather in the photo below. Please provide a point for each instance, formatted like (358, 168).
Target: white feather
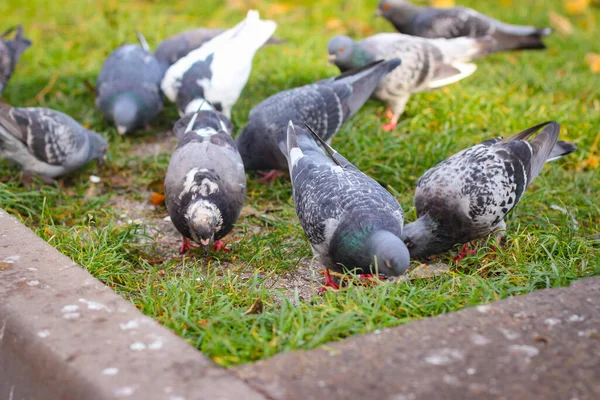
(232, 51)
(465, 70)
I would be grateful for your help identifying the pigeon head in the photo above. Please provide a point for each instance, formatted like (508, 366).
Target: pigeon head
(341, 49)
(126, 113)
(98, 147)
(388, 253)
(204, 218)
(422, 238)
(397, 10)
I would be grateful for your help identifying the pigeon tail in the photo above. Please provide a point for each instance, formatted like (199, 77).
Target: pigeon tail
(19, 44)
(465, 49)
(561, 149)
(364, 80)
(541, 146)
(254, 32)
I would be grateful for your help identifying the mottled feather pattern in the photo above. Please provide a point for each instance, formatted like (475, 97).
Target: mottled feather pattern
(450, 23)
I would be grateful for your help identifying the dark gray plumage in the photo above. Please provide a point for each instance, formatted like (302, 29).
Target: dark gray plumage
(455, 22)
(47, 142)
(426, 63)
(205, 185)
(324, 105)
(10, 52)
(349, 219)
(468, 195)
(128, 87)
(170, 50)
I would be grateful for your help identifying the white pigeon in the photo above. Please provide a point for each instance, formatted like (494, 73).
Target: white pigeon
(220, 68)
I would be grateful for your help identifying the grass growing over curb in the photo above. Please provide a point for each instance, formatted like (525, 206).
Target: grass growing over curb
(215, 302)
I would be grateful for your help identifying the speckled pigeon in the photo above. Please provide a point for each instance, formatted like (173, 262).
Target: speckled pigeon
(10, 52)
(47, 142)
(468, 195)
(325, 105)
(350, 220)
(219, 69)
(426, 64)
(128, 87)
(455, 22)
(205, 186)
(170, 50)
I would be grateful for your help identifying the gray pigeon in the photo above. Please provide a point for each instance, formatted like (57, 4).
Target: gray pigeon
(47, 142)
(10, 52)
(325, 105)
(350, 220)
(128, 87)
(170, 50)
(468, 195)
(205, 186)
(426, 64)
(455, 22)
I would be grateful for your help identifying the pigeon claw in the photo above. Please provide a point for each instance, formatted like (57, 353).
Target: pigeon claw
(186, 244)
(269, 177)
(219, 245)
(388, 127)
(328, 283)
(466, 250)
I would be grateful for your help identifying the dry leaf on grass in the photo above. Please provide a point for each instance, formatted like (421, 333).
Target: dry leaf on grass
(441, 3)
(561, 24)
(593, 60)
(4, 265)
(157, 199)
(255, 308)
(576, 6)
(425, 271)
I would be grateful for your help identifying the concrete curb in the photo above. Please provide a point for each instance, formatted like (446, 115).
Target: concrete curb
(66, 336)
(544, 345)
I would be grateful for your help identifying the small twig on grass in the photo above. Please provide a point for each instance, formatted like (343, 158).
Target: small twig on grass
(40, 96)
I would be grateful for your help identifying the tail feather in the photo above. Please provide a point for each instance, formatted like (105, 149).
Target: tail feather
(542, 146)
(464, 49)
(448, 74)
(561, 149)
(510, 40)
(364, 81)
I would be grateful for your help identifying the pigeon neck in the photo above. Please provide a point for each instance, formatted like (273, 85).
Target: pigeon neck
(361, 57)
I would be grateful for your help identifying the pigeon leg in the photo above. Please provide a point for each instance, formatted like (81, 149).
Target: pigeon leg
(328, 282)
(364, 277)
(392, 124)
(389, 114)
(269, 177)
(463, 253)
(186, 244)
(219, 245)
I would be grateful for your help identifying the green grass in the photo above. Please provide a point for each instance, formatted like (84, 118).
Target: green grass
(204, 299)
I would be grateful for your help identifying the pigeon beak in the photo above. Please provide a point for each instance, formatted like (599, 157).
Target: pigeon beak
(122, 130)
(332, 58)
(204, 242)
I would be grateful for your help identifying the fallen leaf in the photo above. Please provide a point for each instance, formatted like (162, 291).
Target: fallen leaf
(576, 6)
(157, 199)
(333, 24)
(276, 9)
(425, 271)
(441, 3)
(593, 60)
(4, 265)
(561, 24)
(255, 308)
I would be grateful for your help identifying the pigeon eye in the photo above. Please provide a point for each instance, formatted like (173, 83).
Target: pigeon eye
(341, 49)
(385, 6)
(408, 244)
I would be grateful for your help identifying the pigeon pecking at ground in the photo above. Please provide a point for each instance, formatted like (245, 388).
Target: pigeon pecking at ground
(10, 52)
(47, 142)
(205, 185)
(171, 50)
(128, 87)
(325, 105)
(350, 220)
(468, 195)
(219, 69)
(430, 22)
(426, 64)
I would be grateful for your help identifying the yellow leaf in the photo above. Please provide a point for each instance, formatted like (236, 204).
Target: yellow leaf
(561, 24)
(441, 3)
(593, 161)
(593, 60)
(333, 24)
(576, 6)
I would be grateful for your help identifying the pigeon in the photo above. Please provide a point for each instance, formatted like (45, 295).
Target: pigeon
(205, 185)
(47, 142)
(10, 52)
(455, 22)
(325, 105)
(128, 87)
(468, 195)
(350, 220)
(219, 69)
(426, 64)
(170, 50)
